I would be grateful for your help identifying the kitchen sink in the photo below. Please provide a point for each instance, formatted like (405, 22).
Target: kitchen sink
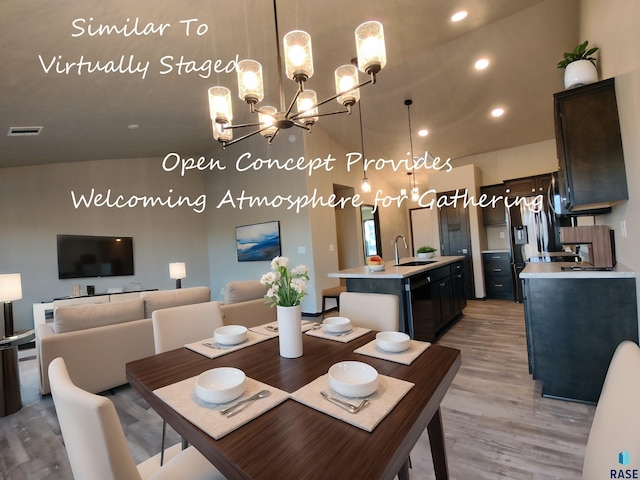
(415, 263)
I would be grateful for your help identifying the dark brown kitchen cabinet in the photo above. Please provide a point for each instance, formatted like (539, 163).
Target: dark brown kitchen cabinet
(494, 215)
(497, 274)
(589, 144)
(527, 186)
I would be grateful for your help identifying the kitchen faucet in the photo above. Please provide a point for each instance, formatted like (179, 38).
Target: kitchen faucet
(396, 247)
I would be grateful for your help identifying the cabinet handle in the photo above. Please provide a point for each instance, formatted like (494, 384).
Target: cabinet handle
(496, 257)
(497, 269)
(498, 285)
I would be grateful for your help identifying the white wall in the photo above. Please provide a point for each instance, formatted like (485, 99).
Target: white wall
(612, 26)
(36, 206)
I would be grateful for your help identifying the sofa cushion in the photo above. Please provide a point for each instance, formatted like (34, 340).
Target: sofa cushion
(156, 300)
(243, 291)
(80, 317)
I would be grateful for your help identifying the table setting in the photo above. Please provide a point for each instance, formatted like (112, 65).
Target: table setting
(243, 402)
(394, 346)
(225, 340)
(339, 329)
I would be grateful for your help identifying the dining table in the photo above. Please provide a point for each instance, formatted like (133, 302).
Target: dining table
(293, 440)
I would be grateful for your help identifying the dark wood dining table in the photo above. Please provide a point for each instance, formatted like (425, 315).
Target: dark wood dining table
(294, 441)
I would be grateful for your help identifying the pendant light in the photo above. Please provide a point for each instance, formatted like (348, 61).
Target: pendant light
(365, 185)
(415, 192)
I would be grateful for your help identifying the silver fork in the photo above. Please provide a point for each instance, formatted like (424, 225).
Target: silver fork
(349, 407)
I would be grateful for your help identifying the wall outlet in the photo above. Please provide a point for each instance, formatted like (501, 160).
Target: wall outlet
(501, 234)
(302, 250)
(331, 247)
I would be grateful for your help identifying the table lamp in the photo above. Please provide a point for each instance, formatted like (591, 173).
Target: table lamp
(178, 271)
(10, 290)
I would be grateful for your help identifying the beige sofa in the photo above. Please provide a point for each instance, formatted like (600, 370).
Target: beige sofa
(244, 304)
(97, 340)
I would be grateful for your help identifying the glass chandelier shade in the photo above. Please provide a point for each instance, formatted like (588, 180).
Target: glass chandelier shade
(307, 104)
(365, 185)
(220, 132)
(266, 116)
(297, 55)
(250, 85)
(220, 104)
(346, 77)
(372, 56)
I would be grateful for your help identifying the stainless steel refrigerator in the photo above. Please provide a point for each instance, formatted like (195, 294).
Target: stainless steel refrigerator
(530, 233)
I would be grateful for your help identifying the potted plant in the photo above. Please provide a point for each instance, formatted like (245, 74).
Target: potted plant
(579, 66)
(426, 251)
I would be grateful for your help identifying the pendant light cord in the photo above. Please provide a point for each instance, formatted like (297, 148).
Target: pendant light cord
(364, 170)
(408, 104)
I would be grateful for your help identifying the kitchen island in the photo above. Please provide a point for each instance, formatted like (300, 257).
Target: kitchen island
(574, 320)
(430, 292)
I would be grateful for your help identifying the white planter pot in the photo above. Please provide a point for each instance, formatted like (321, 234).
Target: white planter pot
(290, 331)
(424, 256)
(580, 72)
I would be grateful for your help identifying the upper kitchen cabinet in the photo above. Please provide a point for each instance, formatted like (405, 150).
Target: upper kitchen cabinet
(494, 215)
(592, 172)
(527, 186)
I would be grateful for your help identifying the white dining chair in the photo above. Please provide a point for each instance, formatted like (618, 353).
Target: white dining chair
(615, 431)
(96, 445)
(378, 311)
(176, 326)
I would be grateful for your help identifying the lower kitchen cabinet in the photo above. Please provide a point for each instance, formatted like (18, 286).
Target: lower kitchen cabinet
(497, 274)
(573, 327)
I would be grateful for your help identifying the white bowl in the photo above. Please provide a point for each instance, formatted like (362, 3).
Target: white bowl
(353, 379)
(393, 341)
(230, 334)
(376, 268)
(337, 324)
(220, 385)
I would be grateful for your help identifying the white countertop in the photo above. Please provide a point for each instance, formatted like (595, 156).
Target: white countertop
(554, 270)
(393, 271)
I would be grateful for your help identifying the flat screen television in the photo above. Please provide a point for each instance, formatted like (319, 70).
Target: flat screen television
(82, 256)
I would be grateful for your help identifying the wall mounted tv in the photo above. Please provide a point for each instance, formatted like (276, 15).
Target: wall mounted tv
(81, 256)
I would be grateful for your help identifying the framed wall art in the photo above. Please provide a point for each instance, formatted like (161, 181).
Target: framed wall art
(259, 241)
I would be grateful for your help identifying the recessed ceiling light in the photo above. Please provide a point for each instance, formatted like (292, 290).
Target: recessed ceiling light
(481, 64)
(461, 15)
(497, 112)
(133, 126)
(423, 133)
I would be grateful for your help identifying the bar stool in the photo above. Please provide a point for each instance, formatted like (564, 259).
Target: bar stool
(333, 292)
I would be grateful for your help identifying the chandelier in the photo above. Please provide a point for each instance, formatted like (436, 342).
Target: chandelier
(371, 58)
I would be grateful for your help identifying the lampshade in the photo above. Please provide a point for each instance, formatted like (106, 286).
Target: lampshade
(346, 77)
(267, 117)
(297, 55)
(372, 56)
(10, 287)
(220, 104)
(250, 85)
(307, 105)
(177, 270)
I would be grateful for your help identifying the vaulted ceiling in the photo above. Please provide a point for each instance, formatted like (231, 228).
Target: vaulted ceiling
(85, 116)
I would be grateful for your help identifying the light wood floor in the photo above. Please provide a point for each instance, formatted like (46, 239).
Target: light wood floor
(497, 426)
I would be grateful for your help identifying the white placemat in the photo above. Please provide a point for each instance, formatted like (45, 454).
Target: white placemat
(182, 398)
(212, 352)
(355, 333)
(406, 358)
(390, 391)
(271, 329)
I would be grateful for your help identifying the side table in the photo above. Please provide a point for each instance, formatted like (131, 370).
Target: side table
(10, 398)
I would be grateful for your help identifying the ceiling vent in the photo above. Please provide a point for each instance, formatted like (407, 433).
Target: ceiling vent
(23, 131)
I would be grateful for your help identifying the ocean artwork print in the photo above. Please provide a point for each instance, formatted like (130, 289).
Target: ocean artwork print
(259, 241)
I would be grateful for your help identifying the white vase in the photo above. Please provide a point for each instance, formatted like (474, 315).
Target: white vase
(580, 72)
(290, 331)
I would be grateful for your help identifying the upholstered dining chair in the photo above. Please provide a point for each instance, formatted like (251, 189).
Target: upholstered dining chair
(176, 326)
(614, 438)
(96, 445)
(378, 311)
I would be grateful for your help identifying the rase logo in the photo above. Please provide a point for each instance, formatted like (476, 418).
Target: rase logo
(624, 459)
